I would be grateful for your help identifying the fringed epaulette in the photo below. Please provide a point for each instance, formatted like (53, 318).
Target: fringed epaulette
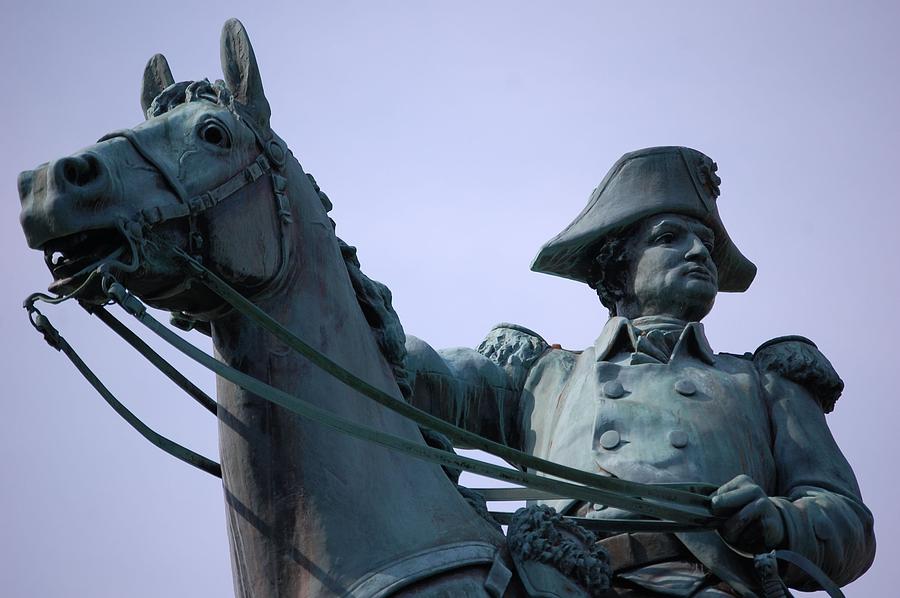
(797, 359)
(511, 345)
(514, 348)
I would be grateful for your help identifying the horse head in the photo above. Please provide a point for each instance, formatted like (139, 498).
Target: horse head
(203, 173)
(204, 177)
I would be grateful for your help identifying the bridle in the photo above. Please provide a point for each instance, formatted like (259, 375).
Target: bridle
(674, 508)
(270, 160)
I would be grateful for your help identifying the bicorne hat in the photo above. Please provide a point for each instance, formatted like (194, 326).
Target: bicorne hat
(656, 180)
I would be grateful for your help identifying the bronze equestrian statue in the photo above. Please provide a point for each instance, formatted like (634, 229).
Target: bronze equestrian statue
(202, 211)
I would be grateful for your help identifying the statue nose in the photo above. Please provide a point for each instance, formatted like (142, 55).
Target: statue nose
(697, 251)
(78, 172)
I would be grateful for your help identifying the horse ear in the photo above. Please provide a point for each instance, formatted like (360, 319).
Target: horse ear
(157, 77)
(241, 71)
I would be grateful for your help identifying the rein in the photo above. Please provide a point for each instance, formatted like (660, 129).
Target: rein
(670, 507)
(682, 506)
(674, 508)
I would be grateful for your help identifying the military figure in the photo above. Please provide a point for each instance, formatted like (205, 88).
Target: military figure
(651, 401)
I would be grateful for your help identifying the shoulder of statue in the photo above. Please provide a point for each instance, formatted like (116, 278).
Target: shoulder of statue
(797, 359)
(511, 345)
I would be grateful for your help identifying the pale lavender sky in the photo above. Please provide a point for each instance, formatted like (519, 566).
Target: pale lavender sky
(454, 139)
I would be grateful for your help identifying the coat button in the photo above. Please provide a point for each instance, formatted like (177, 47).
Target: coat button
(609, 439)
(685, 387)
(678, 438)
(613, 389)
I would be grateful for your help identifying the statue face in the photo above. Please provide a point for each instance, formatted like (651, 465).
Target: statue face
(672, 272)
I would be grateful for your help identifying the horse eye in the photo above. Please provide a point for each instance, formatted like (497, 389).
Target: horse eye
(214, 133)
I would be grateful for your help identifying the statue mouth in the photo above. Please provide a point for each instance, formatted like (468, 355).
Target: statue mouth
(72, 258)
(698, 271)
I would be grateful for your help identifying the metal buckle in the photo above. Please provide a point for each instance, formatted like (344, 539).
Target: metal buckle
(257, 169)
(276, 152)
(253, 172)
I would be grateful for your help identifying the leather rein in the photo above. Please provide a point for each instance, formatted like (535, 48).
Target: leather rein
(682, 507)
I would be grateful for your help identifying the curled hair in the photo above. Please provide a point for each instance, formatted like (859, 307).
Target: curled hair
(190, 91)
(609, 274)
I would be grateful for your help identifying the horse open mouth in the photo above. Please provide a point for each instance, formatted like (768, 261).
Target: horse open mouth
(72, 258)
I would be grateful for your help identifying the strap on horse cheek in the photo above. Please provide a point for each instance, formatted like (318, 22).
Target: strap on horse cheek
(270, 160)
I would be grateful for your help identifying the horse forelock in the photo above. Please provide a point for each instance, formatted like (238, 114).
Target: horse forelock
(184, 92)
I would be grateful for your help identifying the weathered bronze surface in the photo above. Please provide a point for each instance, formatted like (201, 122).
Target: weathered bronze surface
(649, 402)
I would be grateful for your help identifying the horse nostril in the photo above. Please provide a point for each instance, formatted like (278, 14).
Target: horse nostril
(79, 171)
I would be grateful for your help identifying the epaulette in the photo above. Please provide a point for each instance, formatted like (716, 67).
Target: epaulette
(797, 359)
(512, 346)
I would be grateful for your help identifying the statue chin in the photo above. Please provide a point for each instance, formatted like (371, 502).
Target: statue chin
(692, 308)
(700, 307)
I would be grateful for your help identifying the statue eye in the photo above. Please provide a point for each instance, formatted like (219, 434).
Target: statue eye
(664, 238)
(213, 132)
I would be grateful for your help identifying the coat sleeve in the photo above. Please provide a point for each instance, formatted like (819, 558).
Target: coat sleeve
(476, 389)
(818, 495)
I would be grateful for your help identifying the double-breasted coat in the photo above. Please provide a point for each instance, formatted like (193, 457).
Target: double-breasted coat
(693, 416)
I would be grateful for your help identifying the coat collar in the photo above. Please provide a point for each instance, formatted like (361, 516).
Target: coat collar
(619, 334)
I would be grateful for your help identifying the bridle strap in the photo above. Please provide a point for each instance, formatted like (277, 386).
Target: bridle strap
(55, 340)
(192, 206)
(171, 179)
(270, 160)
(206, 401)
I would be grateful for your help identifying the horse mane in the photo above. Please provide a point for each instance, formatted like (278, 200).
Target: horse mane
(375, 301)
(374, 297)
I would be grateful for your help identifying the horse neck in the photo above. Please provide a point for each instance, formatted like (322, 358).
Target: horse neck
(303, 497)
(316, 302)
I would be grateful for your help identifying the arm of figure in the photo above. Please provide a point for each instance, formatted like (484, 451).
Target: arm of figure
(819, 513)
(478, 389)
(823, 512)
